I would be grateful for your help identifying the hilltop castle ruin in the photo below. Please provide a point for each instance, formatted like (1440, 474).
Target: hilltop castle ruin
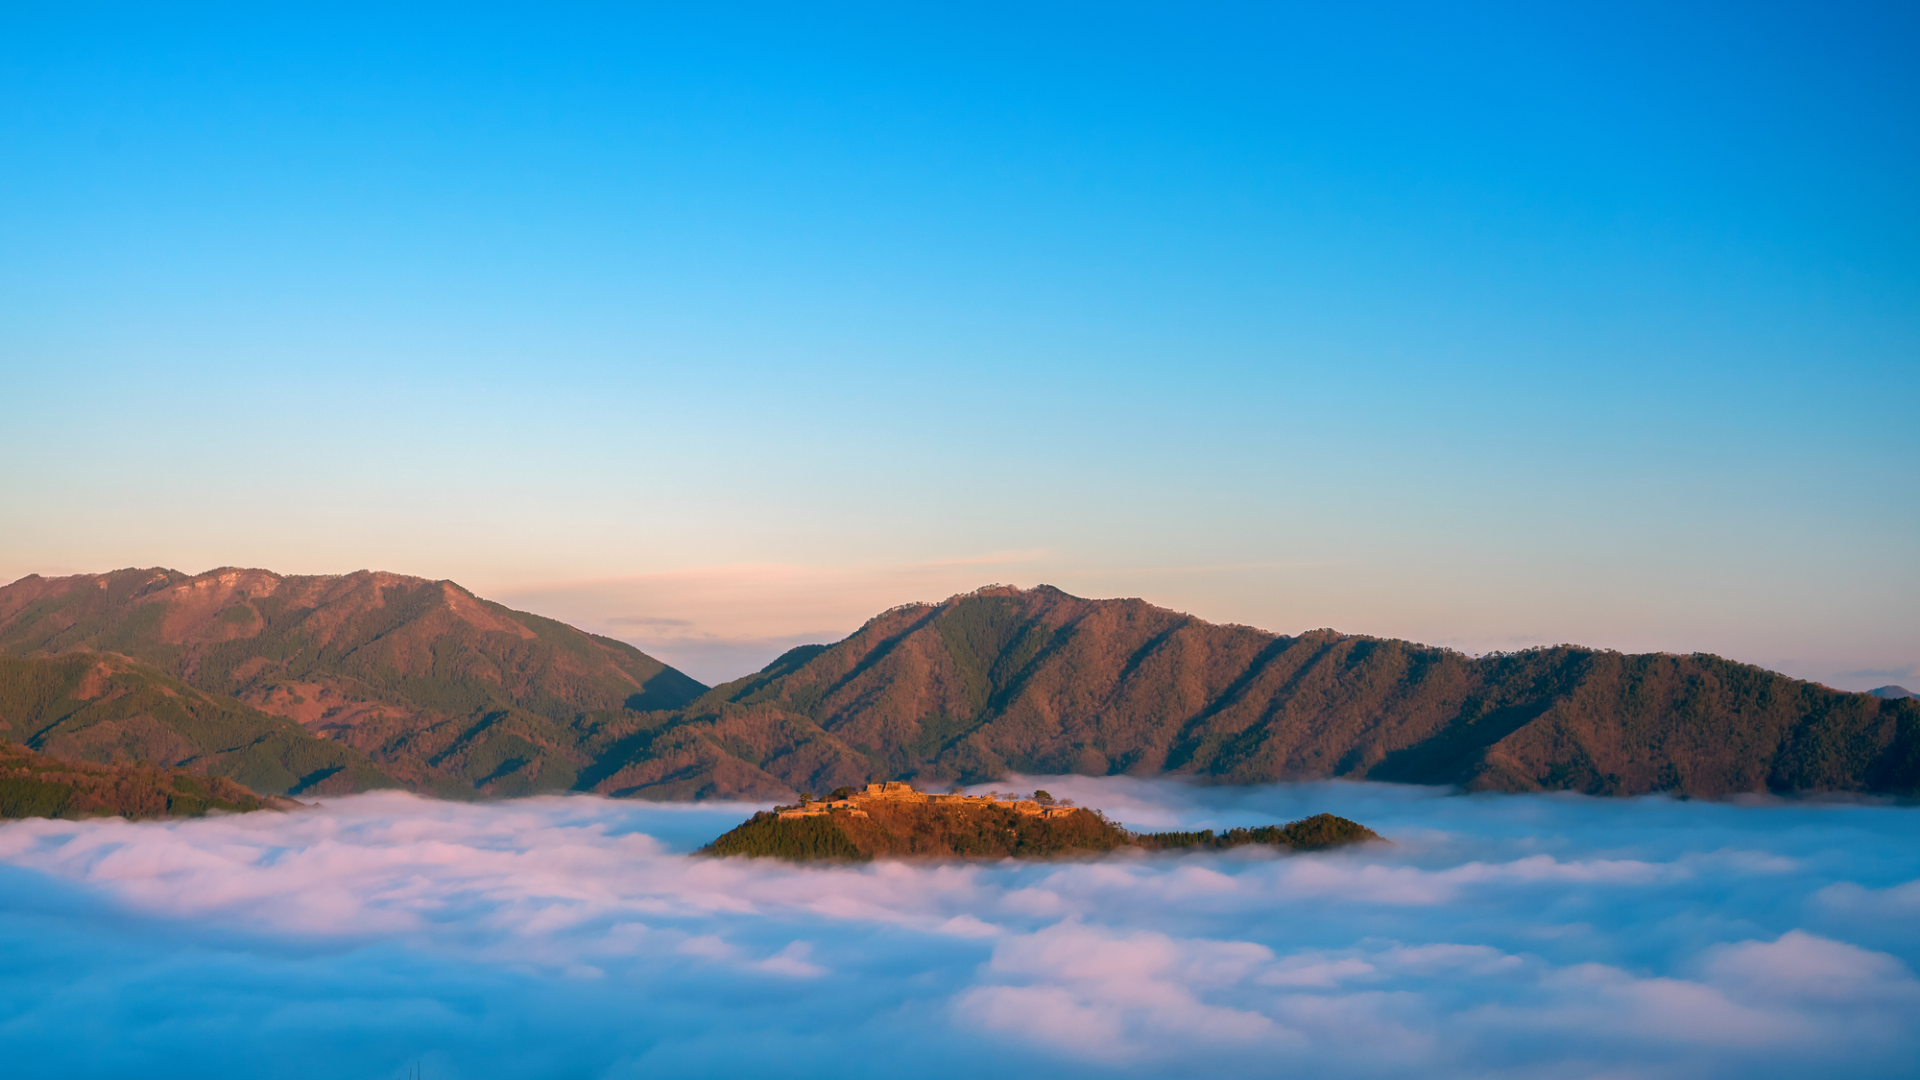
(897, 792)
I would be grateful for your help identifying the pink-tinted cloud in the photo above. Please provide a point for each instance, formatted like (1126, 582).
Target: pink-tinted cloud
(576, 936)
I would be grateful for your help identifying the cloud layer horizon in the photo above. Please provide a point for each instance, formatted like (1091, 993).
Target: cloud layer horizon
(577, 937)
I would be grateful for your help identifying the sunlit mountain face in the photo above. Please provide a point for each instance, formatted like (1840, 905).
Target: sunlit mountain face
(573, 936)
(540, 461)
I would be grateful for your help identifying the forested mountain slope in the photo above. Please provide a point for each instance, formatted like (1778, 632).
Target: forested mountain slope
(41, 785)
(447, 691)
(450, 693)
(107, 709)
(1036, 681)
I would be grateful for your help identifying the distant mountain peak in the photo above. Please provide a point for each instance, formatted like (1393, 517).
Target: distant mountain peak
(1892, 693)
(448, 692)
(1004, 680)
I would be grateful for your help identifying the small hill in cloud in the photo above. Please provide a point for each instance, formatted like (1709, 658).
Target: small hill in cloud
(894, 820)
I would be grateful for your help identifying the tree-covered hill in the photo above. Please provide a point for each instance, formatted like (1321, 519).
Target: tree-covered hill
(449, 693)
(446, 691)
(41, 785)
(1036, 681)
(921, 831)
(974, 831)
(106, 709)
(1316, 833)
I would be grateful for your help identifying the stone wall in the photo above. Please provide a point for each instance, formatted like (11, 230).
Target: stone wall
(895, 791)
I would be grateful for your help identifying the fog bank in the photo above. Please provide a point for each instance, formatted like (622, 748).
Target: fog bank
(575, 937)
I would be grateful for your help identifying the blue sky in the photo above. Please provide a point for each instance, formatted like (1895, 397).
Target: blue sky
(723, 329)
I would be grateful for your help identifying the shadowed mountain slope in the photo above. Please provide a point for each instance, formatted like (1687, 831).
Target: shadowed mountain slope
(106, 709)
(447, 691)
(40, 785)
(1036, 681)
(450, 693)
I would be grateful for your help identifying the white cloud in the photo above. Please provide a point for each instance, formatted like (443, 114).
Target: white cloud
(1898, 901)
(1116, 996)
(575, 937)
(1799, 965)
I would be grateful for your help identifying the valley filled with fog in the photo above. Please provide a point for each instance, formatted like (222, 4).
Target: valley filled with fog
(579, 937)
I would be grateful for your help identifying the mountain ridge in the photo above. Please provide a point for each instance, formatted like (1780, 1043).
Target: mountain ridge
(1037, 681)
(450, 693)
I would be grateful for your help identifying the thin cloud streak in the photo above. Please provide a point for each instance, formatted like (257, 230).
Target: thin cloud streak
(576, 937)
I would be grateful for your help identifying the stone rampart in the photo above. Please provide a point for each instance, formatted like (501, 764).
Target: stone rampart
(899, 792)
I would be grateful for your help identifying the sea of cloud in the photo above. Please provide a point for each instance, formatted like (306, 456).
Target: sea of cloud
(578, 937)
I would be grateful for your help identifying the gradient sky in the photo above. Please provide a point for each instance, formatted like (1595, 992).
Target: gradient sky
(721, 330)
